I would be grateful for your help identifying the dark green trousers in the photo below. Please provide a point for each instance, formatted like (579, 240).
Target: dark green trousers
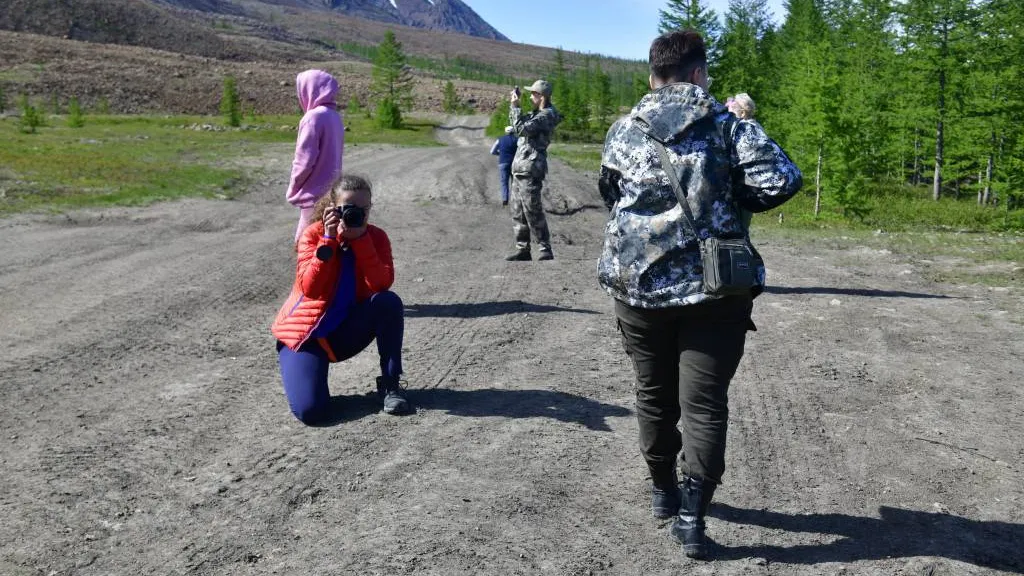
(684, 358)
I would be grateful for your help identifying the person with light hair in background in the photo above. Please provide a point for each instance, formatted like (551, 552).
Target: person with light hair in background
(742, 105)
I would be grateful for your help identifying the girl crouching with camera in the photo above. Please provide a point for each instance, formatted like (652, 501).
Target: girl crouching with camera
(339, 304)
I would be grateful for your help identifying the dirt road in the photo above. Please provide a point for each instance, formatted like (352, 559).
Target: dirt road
(876, 419)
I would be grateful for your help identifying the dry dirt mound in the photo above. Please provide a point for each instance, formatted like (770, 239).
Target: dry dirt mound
(142, 80)
(875, 428)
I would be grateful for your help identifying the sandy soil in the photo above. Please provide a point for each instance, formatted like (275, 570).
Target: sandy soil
(876, 419)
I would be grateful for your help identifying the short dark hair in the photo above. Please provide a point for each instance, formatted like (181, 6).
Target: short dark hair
(674, 55)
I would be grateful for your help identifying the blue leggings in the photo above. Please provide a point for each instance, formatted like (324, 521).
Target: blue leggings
(304, 372)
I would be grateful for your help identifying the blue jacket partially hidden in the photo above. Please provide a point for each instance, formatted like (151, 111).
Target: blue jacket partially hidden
(505, 148)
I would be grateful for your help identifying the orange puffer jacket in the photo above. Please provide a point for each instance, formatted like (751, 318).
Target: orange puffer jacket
(316, 279)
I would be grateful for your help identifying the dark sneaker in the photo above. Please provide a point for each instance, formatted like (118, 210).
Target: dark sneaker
(519, 256)
(546, 255)
(504, 202)
(393, 396)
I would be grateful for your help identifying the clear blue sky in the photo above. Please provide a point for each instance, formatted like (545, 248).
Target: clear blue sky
(622, 28)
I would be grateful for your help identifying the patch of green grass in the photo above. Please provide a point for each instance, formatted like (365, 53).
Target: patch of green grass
(991, 259)
(130, 160)
(585, 157)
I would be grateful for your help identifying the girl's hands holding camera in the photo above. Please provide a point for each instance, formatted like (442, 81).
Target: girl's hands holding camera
(331, 222)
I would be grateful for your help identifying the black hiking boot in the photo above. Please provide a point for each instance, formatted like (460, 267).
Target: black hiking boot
(688, 529)
(666, 496)
(521, 255)
(390, 391)
(545, 254)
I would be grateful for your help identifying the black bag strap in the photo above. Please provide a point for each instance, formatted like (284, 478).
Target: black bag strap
(673, 178)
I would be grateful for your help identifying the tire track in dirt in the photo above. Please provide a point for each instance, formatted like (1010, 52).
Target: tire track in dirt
(146, 432)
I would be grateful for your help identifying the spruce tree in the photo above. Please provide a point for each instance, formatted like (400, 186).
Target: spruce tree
(742, 64)
(31, 118)
(604, 104)
(937, 37)
(75, 117)
(450, 102)
(231, 103)
(3, 100)
(694, 14)
(392, 78)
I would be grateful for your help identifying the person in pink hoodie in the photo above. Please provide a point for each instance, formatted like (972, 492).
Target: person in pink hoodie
(320, 144)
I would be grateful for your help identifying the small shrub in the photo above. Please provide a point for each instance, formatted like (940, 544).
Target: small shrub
(31, 117)
(3, 100)
(388, 114)
(55, 104)
(354, 106)
(103, 106)
(75, 117)
(231, 103)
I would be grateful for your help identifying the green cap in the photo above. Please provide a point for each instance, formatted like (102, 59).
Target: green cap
(541, 87)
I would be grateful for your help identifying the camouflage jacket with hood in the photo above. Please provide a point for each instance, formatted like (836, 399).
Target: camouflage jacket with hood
(651, 258)
(534, 130)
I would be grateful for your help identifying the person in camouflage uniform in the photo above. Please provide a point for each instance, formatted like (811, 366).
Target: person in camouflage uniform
(529, 167)
(685, 345)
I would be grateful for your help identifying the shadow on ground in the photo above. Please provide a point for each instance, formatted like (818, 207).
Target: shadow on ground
(898, 533)
(848, 292)
(490, 402)
(348, 409)
(480, 309)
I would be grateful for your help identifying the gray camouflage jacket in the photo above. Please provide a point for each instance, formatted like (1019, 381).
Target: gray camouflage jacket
(651, 257)
(534, 130)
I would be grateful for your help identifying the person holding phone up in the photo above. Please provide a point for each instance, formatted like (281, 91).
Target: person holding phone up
(339, 304)
(529, 167)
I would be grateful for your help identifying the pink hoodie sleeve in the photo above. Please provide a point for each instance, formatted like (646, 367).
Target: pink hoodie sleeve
(307, 149)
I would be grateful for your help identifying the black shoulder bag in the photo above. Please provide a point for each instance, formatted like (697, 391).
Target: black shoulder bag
(730, 264)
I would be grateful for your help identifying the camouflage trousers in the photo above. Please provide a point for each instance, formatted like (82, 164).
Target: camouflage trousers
(528, 213)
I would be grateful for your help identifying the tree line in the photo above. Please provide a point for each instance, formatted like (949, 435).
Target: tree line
(871, 94)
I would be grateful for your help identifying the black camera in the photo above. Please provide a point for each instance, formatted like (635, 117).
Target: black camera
(353, 216)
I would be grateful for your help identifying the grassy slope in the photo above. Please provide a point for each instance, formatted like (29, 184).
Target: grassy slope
(129, 160)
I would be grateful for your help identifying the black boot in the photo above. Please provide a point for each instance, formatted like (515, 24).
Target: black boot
(688, 529)
(665, 494)
(520, 255)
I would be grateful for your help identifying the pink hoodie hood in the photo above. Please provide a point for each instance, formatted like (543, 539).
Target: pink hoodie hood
(316, 88)
(319, 146)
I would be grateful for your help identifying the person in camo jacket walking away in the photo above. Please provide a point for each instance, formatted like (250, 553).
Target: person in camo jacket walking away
(319, 146)
(685, 345)
(529, 167)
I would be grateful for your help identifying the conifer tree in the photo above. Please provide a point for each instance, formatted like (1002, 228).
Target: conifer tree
(604, 104)
(694, 14)
(742, 63)
(936, 39)
(450, 102)
(392, 79)
(231, 103)
(75, 118)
